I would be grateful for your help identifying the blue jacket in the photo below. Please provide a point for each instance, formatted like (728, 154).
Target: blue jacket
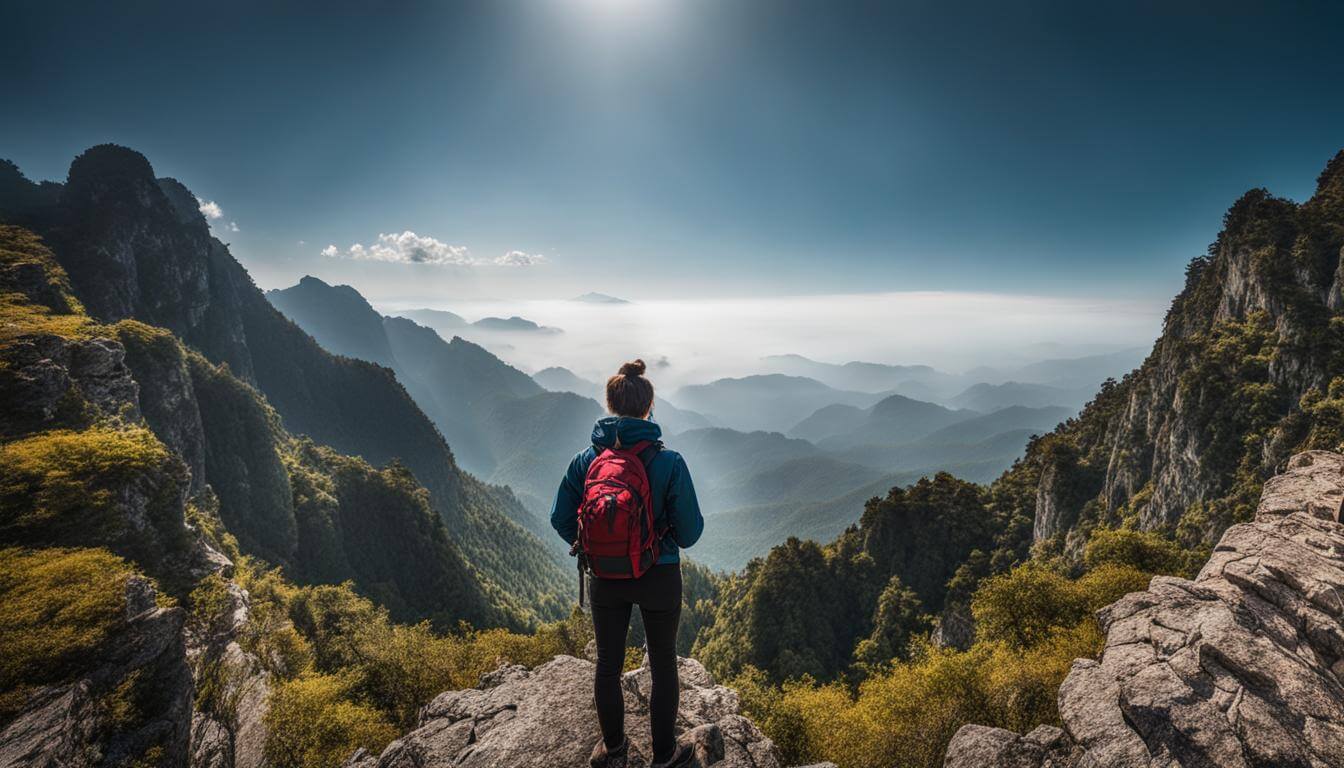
(674, 503)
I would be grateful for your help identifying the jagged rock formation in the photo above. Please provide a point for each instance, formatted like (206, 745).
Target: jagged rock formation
(544, 718)
(1244, 666)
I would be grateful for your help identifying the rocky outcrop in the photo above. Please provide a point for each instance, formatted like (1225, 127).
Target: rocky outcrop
(228, 728)
(46, 380)
(135, 705)
(544, 718)
(1217, 404)
(1241, 667)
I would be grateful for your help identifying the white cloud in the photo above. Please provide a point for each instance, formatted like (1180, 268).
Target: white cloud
(210, 209)
(520, 259)
(409, 248)
(233, 226)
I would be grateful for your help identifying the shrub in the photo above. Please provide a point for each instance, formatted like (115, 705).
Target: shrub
(312, 724)
(1143, 550)
(1021, 607)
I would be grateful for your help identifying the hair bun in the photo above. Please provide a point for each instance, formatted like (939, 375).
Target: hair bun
(633, 368)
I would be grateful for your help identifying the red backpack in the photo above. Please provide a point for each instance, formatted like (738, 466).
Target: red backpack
(617, 539)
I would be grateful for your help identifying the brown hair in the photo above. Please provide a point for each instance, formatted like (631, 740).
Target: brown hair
(628, 392)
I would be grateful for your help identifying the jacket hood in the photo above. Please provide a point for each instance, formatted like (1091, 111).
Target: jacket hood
(624, 429)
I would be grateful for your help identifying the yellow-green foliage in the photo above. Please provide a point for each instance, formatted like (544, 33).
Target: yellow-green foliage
(35, 295)
(57, 607)
(211, 606)
(1027, 605)
(338, 658)
(312, 723)
(1143, 550)
(61, 487)
(1031, 623)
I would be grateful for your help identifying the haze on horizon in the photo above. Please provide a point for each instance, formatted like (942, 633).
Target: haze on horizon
(900, 183)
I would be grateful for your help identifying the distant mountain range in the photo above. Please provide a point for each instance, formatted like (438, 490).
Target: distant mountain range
(1061, 381)
(865, 377)
(791, 443)
(514, 324)
(985, 397)
(893, 419)
(771, 402)
(451, 324)
(671, 418)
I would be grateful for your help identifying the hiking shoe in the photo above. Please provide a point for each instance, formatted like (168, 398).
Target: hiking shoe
(680, 759)
(615, 758)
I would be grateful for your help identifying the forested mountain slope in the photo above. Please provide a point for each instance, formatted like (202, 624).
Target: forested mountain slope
(502, 423)
(452, 380)
(138, 248)
(1246, 372)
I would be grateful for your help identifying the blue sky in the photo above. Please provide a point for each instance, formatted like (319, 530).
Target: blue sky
(679, 149)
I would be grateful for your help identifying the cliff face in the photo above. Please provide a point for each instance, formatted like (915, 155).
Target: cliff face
(1252, 341)
(1243, 666)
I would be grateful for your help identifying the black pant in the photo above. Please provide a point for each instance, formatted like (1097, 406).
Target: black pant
(658, 595)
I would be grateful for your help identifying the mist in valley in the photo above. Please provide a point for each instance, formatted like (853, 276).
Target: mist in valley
(692, 341)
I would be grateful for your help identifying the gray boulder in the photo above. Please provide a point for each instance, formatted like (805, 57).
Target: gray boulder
(1240, 667)
(545, 718)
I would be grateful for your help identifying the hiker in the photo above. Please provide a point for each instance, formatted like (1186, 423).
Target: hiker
(626, 506)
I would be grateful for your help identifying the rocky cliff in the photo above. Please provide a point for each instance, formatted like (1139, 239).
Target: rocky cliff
(1238, 381)
(1241, 667)
(544, 718)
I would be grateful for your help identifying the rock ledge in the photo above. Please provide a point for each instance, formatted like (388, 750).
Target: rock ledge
(545, 718)
(1241, 667)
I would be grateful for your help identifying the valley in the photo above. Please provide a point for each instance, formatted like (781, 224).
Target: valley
(775, 455)
(363, 491)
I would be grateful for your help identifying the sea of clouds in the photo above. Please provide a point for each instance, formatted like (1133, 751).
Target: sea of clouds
(698, 340)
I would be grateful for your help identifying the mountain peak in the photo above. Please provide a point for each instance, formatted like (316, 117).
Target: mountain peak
(592, 297)
(110, 172)
(1330, 184)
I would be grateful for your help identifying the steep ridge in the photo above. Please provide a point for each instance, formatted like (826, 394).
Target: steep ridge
(451, 380)
(1245, 373)
(323, 516)
(138, 248)
(93, 516)
(511, 430)
(1239, 667)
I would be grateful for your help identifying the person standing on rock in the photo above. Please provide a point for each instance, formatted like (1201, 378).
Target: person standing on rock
(626, 506)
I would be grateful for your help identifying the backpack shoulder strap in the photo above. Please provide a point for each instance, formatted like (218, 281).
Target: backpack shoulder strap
(647, 453)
